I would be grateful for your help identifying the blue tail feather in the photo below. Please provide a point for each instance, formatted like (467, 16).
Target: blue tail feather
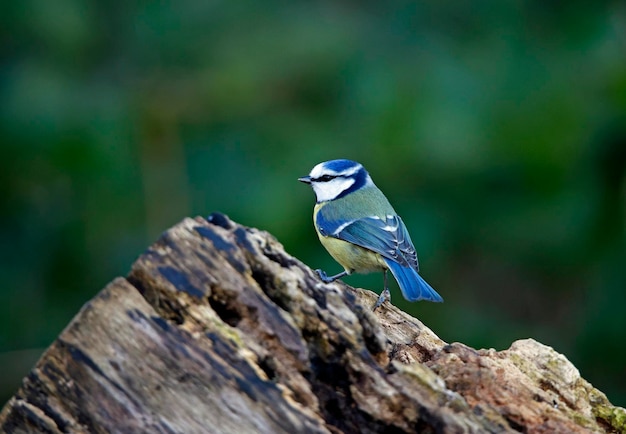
(413, 287)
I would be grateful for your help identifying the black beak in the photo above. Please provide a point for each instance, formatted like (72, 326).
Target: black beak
(305, 179)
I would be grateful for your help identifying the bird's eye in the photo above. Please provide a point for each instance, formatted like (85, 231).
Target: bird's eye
(325, 178)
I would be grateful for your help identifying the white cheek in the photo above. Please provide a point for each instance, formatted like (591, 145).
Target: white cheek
(329, 190)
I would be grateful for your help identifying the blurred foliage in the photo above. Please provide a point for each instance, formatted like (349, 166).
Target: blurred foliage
(497, 130)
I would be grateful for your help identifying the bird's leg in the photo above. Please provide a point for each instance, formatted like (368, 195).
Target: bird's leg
(330, 279)
(385, 295)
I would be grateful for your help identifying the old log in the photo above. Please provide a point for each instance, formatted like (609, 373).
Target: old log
(218, 330)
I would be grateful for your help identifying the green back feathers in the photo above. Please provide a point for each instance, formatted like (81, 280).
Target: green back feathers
(367, 201)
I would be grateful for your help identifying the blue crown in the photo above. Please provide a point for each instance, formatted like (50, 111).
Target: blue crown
(339, 166)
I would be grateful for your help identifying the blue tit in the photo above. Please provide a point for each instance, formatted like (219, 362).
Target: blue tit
(360, 229)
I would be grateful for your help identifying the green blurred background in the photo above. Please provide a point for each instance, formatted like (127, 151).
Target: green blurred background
(497, 130)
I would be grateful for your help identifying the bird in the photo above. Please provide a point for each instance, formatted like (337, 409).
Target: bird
(360, 229)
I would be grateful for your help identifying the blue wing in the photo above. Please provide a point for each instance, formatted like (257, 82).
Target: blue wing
(389, 238)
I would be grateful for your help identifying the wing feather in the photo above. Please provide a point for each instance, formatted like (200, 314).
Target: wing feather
(387, 237)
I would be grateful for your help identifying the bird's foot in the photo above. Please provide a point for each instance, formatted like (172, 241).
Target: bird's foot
(326, 279)
(322, 274)
(385, 295)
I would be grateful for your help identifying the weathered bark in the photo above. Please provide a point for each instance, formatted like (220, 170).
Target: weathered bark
(217, 329)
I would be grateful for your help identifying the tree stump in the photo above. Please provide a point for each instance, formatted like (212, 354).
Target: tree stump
(218, 330)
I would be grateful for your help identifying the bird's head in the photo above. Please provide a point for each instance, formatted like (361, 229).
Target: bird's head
(336, 178)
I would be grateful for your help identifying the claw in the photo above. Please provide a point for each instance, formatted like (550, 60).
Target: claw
(385, 295)
(324, 277)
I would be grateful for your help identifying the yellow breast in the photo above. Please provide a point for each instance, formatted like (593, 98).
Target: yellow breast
(352, 258)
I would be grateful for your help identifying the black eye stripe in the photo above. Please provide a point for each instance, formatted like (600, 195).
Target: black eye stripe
(325, 178)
